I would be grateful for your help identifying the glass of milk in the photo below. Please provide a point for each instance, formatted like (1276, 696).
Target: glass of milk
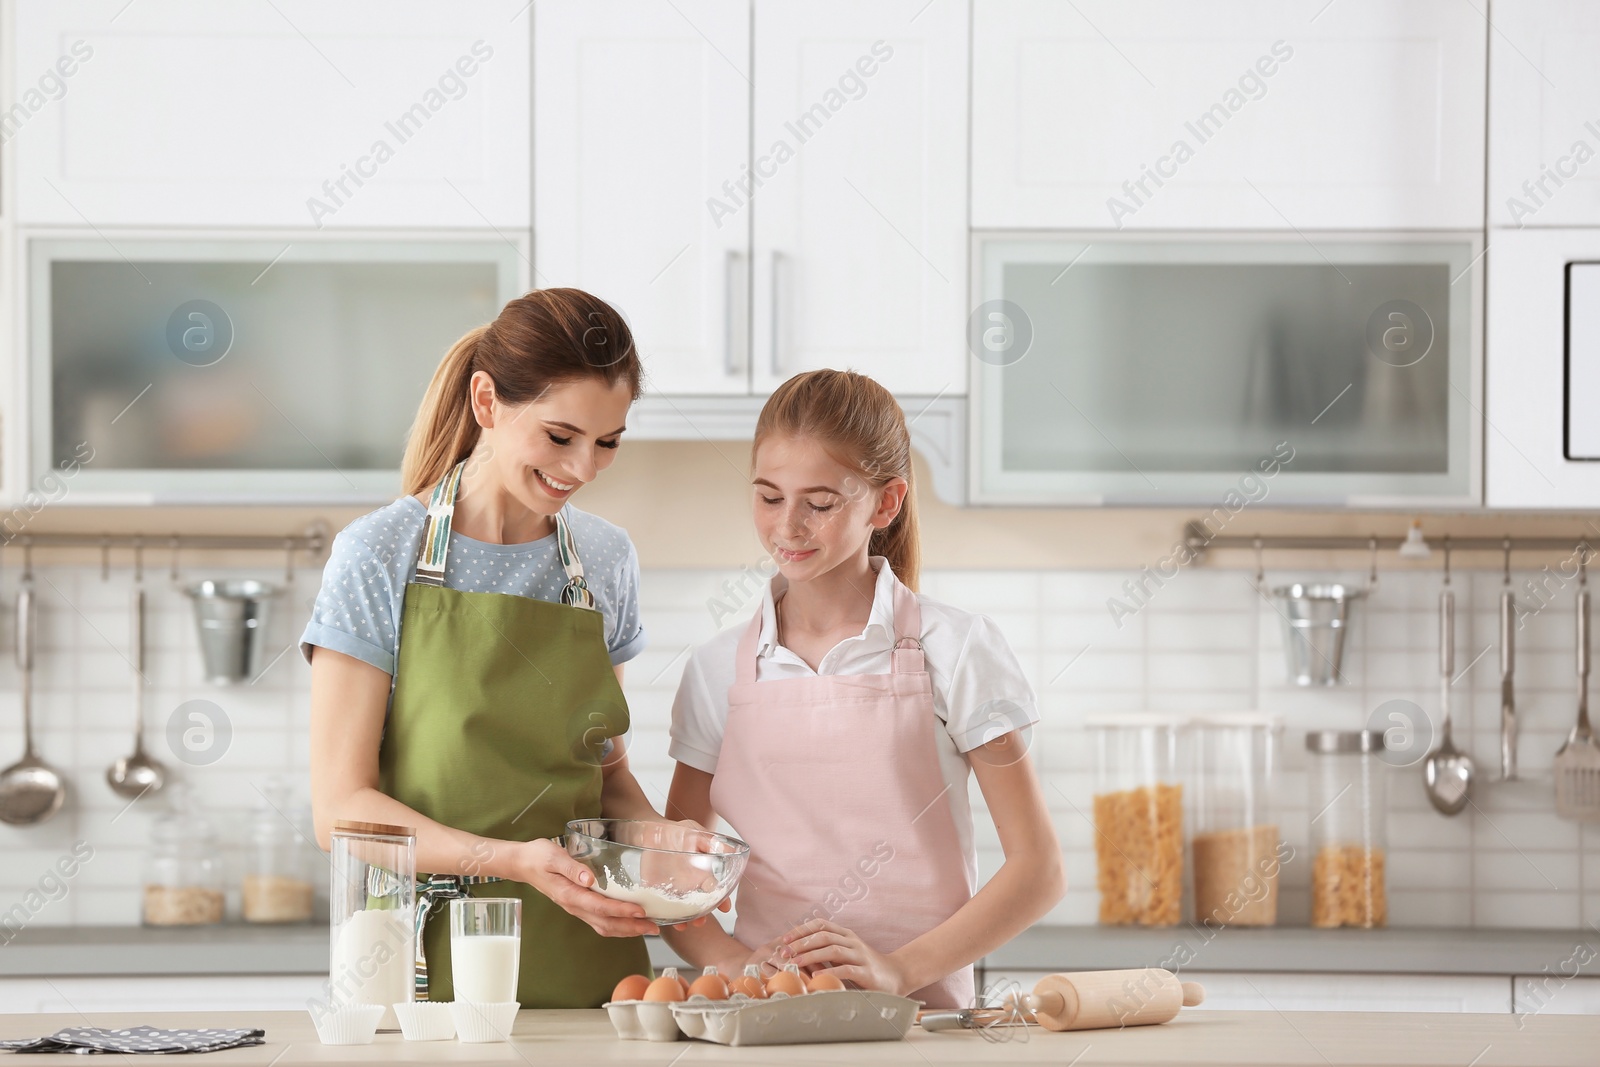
(485, 948)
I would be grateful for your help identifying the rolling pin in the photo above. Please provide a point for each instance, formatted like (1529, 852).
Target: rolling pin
(1091, 1000)
(1087, 1000)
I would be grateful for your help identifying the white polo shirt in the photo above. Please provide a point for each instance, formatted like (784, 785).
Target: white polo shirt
(979, 689)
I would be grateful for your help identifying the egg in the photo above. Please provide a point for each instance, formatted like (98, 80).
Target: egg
(631, 988)
(665, 988)
(749, 983)
(823, 982)
(710, 985)
(787, 981)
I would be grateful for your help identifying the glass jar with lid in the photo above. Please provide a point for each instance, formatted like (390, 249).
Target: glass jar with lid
(1348, 794)
(183, 868)
(1138, 818)
(277, 882)
(1234, 842)
(372, 915)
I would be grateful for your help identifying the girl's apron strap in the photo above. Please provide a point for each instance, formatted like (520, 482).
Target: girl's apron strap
(744, 661)
(907, 656)
(436, 531)
(438, 888)
(576, 592)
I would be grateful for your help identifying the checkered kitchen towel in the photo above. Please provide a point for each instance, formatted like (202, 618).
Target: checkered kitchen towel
(138, 1039)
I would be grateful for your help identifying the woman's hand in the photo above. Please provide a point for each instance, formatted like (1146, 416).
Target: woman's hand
(546, 866)
(820, 946)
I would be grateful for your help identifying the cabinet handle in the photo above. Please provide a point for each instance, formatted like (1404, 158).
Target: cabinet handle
(777, 334)
(730, 286)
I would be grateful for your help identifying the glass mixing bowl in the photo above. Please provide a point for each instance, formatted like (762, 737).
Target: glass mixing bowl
(677, 873)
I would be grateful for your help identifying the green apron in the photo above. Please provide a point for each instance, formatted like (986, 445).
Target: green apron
(501, 709)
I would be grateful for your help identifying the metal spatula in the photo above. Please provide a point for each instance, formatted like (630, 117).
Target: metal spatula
(1577, 762)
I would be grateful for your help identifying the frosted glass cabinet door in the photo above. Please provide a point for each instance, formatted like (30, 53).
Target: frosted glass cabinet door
(1166, 370)
(208, 372)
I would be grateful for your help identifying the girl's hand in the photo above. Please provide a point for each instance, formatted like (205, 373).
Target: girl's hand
(823, 947)
(546, 866)
(763, 956)
(727, 901)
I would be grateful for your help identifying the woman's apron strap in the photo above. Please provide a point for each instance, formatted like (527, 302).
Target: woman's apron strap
(437, 889)
(435, 551)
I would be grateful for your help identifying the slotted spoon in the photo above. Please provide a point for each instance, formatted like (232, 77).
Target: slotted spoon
(1577, 762)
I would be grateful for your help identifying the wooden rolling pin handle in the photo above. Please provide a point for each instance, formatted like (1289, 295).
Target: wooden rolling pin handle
(1193, 993)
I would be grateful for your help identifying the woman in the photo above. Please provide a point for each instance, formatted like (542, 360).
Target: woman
(472, 690)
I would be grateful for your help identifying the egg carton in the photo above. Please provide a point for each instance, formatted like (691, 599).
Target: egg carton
(813, 1018)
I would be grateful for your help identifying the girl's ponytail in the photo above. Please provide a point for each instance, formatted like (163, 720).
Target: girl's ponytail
(860, 423)
(901, 541)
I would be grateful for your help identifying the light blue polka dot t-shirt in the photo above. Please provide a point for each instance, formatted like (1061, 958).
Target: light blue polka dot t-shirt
(357, 611)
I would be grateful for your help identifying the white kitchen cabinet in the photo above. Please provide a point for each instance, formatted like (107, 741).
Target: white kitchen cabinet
(144, 993)
(762, 189)
(285, 114)
(1265, 991)
(1556, 994)
(860, 227)
(643, 112)
(1532, 456)
(1243, 114)
(1544, 134)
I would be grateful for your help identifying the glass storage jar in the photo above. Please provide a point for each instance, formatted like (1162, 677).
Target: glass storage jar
(1348, 785)
(1233, 845)
(277, 883)
(1138, 819)
(371, 915)
(183, 869)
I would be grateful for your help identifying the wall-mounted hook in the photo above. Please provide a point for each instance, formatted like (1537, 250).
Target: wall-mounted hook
(1446, 559)
(1261, 574)
(1372, 575)
(1506, 547)
(1583, 563)
(27, 560)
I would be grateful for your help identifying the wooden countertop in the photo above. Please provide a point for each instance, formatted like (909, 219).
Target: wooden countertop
(1289, 1039)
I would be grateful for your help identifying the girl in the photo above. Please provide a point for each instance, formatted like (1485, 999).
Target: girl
(836, 730)
(467, 644)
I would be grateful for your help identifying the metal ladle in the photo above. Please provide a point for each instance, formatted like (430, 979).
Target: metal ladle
(30, 790)
(1447, 772)
(134, 776)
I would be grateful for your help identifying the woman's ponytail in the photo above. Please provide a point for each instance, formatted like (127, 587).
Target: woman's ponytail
(445, 429)
(538, 340)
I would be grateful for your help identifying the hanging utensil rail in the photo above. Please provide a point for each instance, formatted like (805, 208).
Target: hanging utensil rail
(1197, 540)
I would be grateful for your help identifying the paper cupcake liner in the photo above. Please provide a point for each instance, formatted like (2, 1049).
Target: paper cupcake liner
(477, 1023)
(426, 1021)
(353, 1025)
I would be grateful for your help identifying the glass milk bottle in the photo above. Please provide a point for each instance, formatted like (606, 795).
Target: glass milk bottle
(372, 916)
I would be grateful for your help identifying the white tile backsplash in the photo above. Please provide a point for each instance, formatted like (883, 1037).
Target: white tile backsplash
(1204, 640)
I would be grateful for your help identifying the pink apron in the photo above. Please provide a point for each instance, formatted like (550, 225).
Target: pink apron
(834, 781)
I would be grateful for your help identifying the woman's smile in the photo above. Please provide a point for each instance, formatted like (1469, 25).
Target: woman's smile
(556, 488)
